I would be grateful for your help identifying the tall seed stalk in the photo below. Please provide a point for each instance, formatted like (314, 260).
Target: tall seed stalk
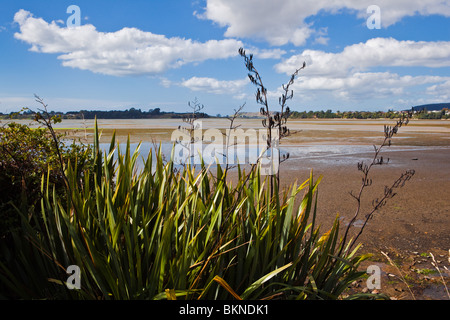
(273, 121)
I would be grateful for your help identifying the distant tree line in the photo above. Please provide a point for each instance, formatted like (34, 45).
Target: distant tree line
(158, 114)
(424, 114)
(112, 114)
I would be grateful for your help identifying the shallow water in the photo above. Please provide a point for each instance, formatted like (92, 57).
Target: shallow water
(318, 155)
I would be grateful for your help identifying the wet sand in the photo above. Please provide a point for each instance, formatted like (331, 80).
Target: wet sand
(416, 219)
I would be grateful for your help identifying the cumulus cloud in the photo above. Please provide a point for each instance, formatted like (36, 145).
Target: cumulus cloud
(321, 40)
(266, 20)
(441, 90)
(212, 85)
(369, 88)
(129, 51)
(266, 53)
(354, 72)
(282, 22)
(367, 84)
(377, 52)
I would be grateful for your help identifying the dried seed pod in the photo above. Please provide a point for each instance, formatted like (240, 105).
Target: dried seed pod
(277, 117)
(360, 165)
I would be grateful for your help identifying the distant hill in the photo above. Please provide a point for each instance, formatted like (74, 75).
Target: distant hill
(432, 107)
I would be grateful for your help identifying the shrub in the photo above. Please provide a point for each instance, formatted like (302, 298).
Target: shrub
(25, 155)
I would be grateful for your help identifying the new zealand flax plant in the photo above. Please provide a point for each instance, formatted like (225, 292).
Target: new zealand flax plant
(160, 233)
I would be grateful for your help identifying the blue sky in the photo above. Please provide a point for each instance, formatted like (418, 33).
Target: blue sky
(148, 54)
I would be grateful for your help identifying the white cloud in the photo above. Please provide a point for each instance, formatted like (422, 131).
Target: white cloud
(321, 36)
(369, 83)
(322, 40)
(374, 89)
(282, 22)
(267, 20)
(377, 52)
(128, 51)
(212, 85)
(165, 82)
(353, 73)
(441, 90)
(266, 53)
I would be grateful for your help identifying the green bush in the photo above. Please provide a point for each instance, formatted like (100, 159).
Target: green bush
(162, 233)
(25, 155)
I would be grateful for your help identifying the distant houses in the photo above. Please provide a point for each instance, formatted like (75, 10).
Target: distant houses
(432, 111)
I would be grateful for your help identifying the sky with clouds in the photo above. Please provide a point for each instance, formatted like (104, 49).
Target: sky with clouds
(147, 54)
